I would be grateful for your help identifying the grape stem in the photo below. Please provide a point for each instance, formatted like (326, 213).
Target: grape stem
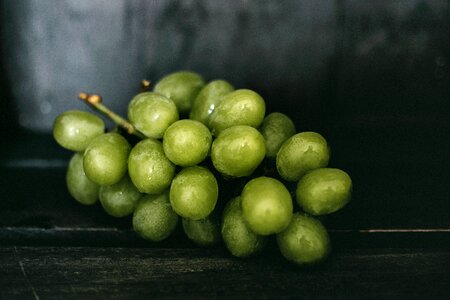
(95, 101)
(145, 85)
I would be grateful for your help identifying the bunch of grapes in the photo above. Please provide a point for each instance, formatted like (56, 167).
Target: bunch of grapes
(208, 156)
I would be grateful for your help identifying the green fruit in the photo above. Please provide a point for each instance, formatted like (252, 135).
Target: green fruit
(187, 142)
(237, 236)
(208, 99)
(182, 87)
(301, 153)
(266, 205)
(152, 113)
(203, 232)
(80, 187)
(305, 241)
(119, 199)
(149, 168)
(153, 218)
(238, 151)
(240, 107)
(276, 128)
(75, 129)
(105, 158)
(323, 191)
(194, 192)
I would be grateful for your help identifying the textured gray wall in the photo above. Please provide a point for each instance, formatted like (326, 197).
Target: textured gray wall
(54, 49)
(309, 58)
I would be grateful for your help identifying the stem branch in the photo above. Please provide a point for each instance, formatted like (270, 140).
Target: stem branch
(145, 85)
(95, 101)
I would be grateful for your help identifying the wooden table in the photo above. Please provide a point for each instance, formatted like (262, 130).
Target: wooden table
(387, 244)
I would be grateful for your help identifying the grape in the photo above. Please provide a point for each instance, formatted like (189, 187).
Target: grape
(305, 241)
(105, 158)
(149, 168)
(238, 151)
(301, 153)
(75, 129)
(229, 126)
(194, 192)
(182, 87)
(240, 107)
(187, 142)
(152, 113)
(203, 232)
(266, 205)
(154, 218)
(208, 99)
(276, 128)
(119, 199)
(323, 191)
(80, 187)
(238, 238)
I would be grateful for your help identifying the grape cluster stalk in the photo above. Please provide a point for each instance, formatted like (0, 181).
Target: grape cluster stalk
(210, 157)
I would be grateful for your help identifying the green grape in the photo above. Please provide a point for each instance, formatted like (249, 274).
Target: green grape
(182, 87)
(237, 236)
(149, 168)
(305, 241)
(152, 113)
(120, 199)
(324, 190)
(266, 205)
(301, 153)
(157, 197)
(80, 187)
(105, 158)
(154, 218)
(203, 232)
(187, 142)
(238, 151)
(75, 129)
(194, 192)
(240, 107)
(208, 99)
(276, 128)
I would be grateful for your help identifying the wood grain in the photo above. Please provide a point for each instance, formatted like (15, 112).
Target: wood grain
(193, 273)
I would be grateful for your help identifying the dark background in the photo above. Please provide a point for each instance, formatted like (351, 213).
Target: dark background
(373, 77)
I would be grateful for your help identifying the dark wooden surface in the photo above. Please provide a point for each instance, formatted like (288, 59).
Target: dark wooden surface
(387, 244)
(191, 273)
